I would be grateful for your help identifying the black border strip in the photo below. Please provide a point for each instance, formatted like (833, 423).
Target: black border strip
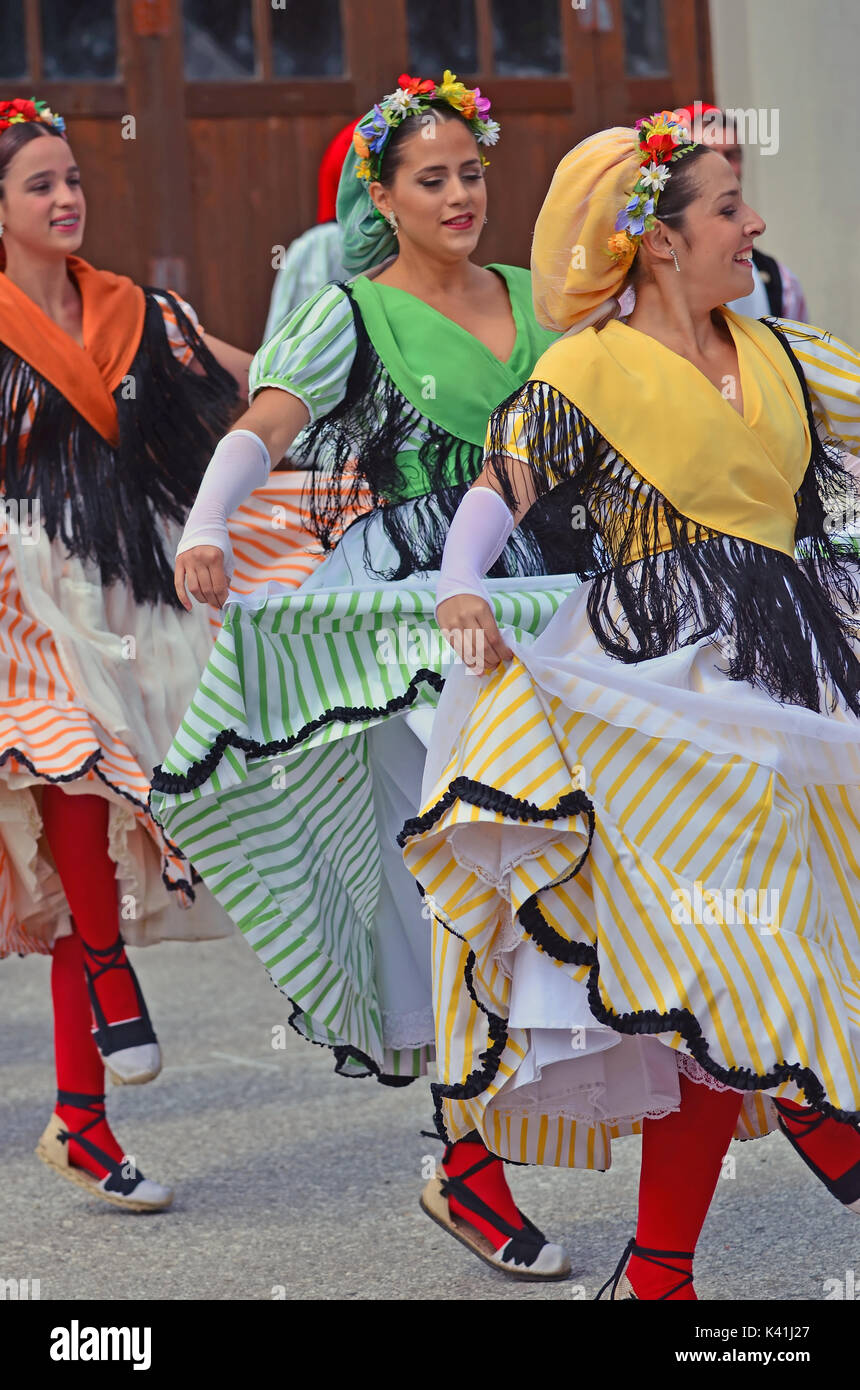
(650, 1021)
(90, 764)
(175, 783)
(344, 1052)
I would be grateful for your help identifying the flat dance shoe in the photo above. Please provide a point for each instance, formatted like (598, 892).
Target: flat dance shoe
(526, 1254)
(133, 1192)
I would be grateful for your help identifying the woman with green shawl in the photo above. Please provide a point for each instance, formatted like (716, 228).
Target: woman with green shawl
(303, 750)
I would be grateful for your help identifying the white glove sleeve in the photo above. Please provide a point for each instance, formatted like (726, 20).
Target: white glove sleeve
(239, 464)
(478, 535)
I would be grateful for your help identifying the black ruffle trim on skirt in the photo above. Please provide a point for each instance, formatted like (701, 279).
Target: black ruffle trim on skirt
(642, 1022)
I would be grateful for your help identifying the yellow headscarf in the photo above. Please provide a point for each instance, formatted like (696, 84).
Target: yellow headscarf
(574, 279)
(735, 475)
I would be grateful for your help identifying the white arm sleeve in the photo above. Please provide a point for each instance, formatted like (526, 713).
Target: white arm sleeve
(478, 535)
(239, 464)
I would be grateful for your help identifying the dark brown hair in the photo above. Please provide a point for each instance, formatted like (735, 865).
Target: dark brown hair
(15, 137)
(681, 190)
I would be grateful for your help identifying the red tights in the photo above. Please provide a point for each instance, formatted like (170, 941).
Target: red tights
(681, 1159)
(489, 1184)
(76, 830)
(80, 1068)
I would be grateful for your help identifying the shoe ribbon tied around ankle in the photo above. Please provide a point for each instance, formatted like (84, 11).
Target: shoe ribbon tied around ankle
(524, 1244)
(654, 1257)
(116, 1180)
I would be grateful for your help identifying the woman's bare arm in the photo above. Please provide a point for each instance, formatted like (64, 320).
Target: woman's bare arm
(520, 479)
(234, 360)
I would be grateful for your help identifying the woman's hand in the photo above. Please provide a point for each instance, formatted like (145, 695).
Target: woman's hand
(469, 627)
(201, 569)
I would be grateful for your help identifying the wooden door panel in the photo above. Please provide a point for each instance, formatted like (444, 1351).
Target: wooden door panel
(222, 172)
(108, 176)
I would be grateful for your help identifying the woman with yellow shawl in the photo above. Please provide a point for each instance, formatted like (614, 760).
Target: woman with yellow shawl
(638, 832)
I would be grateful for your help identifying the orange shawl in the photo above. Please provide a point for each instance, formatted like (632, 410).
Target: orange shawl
(113, 313)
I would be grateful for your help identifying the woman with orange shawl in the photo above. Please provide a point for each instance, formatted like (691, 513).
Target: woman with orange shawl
(98, 380)
(638, 837)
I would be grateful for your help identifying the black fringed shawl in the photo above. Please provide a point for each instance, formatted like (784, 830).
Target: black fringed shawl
(353, 450)
(788, 624)
(103, 502)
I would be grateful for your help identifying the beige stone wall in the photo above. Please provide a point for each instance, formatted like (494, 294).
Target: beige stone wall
(800, 59)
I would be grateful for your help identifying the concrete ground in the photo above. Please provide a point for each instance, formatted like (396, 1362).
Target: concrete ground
(292, 1182)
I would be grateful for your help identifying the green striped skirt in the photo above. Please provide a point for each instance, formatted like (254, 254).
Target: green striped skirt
(298, 761)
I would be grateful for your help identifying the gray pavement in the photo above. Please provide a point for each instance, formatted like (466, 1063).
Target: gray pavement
(293, 1182)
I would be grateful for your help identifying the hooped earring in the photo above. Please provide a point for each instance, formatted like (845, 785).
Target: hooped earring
(391, 219)
(674, 254)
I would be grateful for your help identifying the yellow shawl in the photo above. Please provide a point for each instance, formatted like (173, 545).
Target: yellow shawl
(731, 473)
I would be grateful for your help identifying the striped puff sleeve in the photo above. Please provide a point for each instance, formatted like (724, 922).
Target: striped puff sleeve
(545, 435)
(832, 371)
(312, 354)
(180, 348)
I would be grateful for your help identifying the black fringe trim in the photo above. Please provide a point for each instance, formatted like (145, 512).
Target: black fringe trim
(354, 450)
(791, 625)
(91, 764)
(104, 502)
(175, 783)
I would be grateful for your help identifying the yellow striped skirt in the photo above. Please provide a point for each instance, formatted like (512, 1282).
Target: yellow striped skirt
(632, 871)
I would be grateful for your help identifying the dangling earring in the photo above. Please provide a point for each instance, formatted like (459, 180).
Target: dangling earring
(2, 229)
(486, 220)
(674, 254)
(391, 219)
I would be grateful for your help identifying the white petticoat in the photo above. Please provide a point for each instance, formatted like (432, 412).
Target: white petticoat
(132, 669)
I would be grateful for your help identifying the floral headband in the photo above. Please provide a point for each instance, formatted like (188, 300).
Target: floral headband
(19, 111)
(413, 97)
(662, 140)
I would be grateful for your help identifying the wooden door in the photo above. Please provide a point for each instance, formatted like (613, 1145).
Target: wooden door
(199, 124)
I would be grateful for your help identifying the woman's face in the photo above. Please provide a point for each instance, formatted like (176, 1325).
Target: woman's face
(438, 194)
(43, 209)
(719, 228)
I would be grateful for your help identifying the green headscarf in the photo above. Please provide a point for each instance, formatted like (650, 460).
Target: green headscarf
(367, 237)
